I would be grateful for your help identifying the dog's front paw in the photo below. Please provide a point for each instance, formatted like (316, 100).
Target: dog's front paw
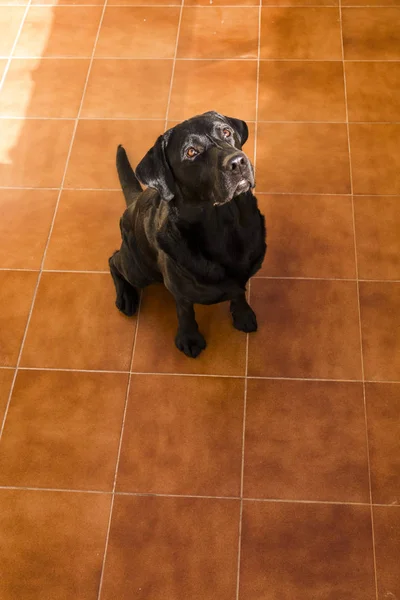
(127, 301)
(191, 343)
(245, 319)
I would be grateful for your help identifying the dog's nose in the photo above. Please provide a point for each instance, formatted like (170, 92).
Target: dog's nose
(237, 162)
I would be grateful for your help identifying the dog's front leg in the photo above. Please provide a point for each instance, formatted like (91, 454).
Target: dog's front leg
(243, 316)
(188, 338)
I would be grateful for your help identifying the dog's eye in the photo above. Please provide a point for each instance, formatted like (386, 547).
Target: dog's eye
(191, 152)
(227, 133)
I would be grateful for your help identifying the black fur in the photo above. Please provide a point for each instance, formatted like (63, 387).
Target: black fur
(197, 227)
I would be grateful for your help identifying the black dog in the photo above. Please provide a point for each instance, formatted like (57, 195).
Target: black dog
(196, 228)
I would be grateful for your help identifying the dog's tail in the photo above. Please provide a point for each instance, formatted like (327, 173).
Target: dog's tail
(129, 183)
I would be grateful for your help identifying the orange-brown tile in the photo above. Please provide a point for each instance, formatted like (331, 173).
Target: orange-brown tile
(300, 3)
(10, 20)
(300, 33)
(16, 293)
(375, 158)
(172, 548)
(86, 230)
(218, 32)
(68, 2)
(37, 88)
(138, 32)
(203, 85)
(306, 551)
(92, 161)
(33, 153)
(155, 348)
(371, 3)
(59, 31)
(387, 548)
(311, 158)
(115, 89)
(196, 447)
(6, 377)
(306, 441)
(51, 544)
(221, 2)
(377, 221)
(371, 33)
(306, 329)
(26, 216)
(76, 325)
(63, 430)
(372, 91)
(380, 322)
(308, 236)
(301, 91)
(383, 406)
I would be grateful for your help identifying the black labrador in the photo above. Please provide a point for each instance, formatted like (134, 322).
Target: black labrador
(196, 228)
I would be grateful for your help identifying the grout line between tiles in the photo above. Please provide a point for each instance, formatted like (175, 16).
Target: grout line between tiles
(239, 557)
(195, 496)
(128, 388)
(171, 83)
(155, 5)
(9, 57)
(52, 222)
(358, 305)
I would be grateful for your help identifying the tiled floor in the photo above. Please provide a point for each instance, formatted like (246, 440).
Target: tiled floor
(267, 469)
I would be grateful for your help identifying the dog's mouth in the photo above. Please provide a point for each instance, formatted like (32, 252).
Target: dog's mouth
(243, 186)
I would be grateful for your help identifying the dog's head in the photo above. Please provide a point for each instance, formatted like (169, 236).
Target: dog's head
(200, 160)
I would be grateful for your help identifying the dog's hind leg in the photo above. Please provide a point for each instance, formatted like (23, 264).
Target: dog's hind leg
(127, 296)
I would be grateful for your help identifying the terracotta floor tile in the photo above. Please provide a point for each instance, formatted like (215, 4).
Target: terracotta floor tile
(92, 161)
(115, 89)
(6, 377)
(222, 2)
(219, 32)
(26, 217)
(300, 3)
(308, 236)
(300, 33)
(377, 221)
(63, 430)
(172, 548)
(3, 64)
(311, 158)
(383, 405)
(305, 329)
(59, 31)
(10, 20)
(36, 88)
(306, 551)
(375, 158)
(371, 33)
(213, 85)
(51, 544)
(372, 91)
(301, 91)
(380, 320)
(155, 348)
(16, 293)
(138, 32)
(75, 325)
(196, 447)
(86, 230)
(68, 2)
(387, 548)
(306, 441)
(33, 153)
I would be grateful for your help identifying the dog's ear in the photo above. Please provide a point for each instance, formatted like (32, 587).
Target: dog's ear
(240, 127)
(154, 170)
